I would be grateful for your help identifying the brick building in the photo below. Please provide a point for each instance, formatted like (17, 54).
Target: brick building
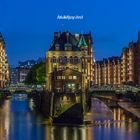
(69, 61)
(120, 70)
(4, 67)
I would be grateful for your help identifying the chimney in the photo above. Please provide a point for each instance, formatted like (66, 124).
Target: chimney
(56, 35)
(77, 36)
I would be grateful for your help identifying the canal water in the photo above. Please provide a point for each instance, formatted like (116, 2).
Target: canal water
(19, 121)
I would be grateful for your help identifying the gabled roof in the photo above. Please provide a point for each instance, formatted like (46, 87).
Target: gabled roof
(82, 42)
(67, 39)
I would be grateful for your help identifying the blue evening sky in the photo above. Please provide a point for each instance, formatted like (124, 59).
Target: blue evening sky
(28, 25)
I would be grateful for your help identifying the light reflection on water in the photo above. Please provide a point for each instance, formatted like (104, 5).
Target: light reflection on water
(18, 121)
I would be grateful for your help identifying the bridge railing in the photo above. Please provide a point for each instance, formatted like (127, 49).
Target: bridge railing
(117, 89)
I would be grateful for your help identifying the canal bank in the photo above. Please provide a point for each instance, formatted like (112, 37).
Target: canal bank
(132, 107)
(129, 102)
(3, 95)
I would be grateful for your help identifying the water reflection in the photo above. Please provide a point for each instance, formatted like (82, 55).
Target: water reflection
(100, 111)
(68, 133)
(18, 121)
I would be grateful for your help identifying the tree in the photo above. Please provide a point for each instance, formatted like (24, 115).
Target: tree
(36, 74)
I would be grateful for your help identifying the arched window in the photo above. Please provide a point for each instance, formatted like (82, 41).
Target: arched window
(54, 59)
(60, 59)
(64, 59)
(76, 60)
(71, 59)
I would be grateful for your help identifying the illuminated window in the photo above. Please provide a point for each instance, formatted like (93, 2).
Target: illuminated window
(63, 77)
(60, 67)
(70, 77)
(75, 67)
(54, 66)
(72, 85)
(74, 77)
(58, 77)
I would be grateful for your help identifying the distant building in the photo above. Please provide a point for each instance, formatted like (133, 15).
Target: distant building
(22, 73)
(107, 72)
(18, 75)
(69, 62)
(14, 76)
(130, 63)
(120, 70)
(127, 65)
(4, 67)
(27, 63)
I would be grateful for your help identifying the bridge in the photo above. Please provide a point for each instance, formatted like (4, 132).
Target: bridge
(117, 89)
(20, 89)
(60, 106)
(109, 100)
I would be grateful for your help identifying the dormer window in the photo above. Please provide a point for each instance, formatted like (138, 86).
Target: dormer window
(68, 47)
(57, 47)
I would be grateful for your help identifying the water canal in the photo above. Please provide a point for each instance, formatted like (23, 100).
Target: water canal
(19, 121)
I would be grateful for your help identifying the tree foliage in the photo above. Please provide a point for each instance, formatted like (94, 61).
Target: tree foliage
(36, 74)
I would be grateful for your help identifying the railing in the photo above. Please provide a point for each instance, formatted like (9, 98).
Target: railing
(16, 89)
(121, 89)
